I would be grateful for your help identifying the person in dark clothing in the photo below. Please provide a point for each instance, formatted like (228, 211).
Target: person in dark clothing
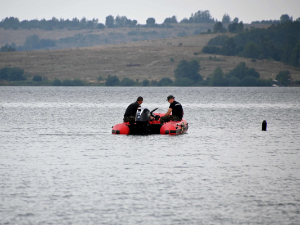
(175, 108)
(130, 112)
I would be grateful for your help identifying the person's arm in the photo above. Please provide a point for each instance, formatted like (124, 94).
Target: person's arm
(169, 111)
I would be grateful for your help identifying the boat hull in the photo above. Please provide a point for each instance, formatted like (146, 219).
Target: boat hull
(152, 127)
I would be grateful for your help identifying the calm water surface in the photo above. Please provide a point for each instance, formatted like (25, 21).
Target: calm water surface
(60, 164)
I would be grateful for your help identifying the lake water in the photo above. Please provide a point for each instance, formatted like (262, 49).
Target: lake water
(60, 164)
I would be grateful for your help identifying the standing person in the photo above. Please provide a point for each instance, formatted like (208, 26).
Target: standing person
(130, 112)
(175, 108)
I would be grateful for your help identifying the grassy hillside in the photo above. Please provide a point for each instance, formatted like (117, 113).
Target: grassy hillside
(93, 37)
(149, 59)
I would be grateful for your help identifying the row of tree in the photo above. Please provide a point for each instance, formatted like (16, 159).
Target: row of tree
(234, 27)
(54, 23)
(110, 22)
(278, 42)
(284, 18)
(186, 74)
(32, 42)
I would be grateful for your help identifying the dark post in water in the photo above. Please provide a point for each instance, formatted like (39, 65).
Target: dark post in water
(264, 126)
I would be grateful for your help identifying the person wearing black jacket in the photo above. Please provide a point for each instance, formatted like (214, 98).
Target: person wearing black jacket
(130, 112)
(176, 109)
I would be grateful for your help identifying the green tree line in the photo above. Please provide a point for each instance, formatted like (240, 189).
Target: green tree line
(110, 22)
(54, 23)
(278, 42)
(186, 74)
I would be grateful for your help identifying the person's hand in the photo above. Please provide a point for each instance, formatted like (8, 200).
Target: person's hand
(156, 117)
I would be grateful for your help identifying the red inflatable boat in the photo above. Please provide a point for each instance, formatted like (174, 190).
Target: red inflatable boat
(144, 125)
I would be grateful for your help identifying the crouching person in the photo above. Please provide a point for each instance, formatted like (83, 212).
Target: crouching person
(130, 112)
(176, 109)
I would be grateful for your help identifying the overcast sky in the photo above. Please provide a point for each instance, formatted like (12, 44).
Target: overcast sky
(245, 10)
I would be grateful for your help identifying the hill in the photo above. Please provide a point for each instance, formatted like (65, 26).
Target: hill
(68, 38)
(136, 60)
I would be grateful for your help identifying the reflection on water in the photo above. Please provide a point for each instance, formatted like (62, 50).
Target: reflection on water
(60, 164)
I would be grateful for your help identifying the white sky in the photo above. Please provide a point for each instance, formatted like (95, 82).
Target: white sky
(246, 10)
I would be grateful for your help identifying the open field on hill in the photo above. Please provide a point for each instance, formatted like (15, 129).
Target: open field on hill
(95, 37)
(104, 36)
(141, 60)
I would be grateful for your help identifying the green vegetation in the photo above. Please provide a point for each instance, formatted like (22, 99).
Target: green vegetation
(236, 27)
(188, 70)
(266, 22)
(226, 18)
(172, 19)
(12, 74)
(185, 81)
(54, 23)
(33, 42)
(8, 48)
(279, 42)
(218, 28)
(239, 76)
(165, 82)
(110, 22)
(145, 82)
(127, 82)
(56, 82)
(112, 81)
(67, 82)
(37, 78)
(199, 17)
(150, 22)
(119, 21)
(284, 78)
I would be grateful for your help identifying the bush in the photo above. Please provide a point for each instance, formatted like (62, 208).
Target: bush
(100, 78)
(56, 82)
(150, 21)
(165, 82)
(112, 81)
(218, 28)
(284, 77)
(153, 83)
(127, 82)
(241, 71)
(183, 82)
(145, 82)
(188, 69)
(229, 47)
(100, 26)
(67, 82)
(218, 41)
(217, 78)
(12, 74)
(263, 82)
(7, 48)
(77, 82)
(249, 81)
(37, 78)
(233, 81)
(251, 50)
(211, 49)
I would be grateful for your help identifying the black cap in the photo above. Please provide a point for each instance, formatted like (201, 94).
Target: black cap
(170, 97)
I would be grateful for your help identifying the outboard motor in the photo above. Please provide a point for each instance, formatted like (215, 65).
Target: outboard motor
(142, 115)
(142, 118)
